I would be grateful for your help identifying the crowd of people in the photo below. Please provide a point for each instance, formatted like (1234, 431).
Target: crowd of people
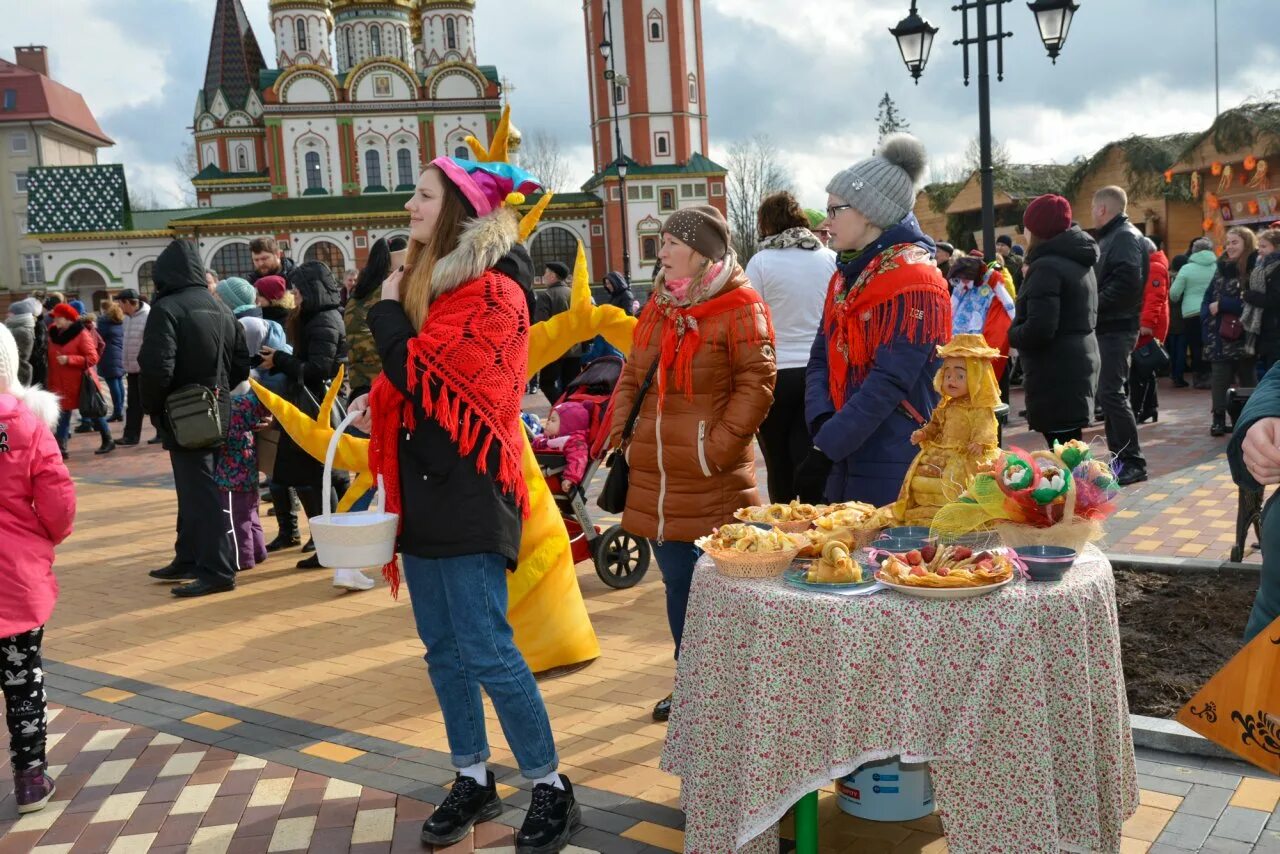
(823, 348)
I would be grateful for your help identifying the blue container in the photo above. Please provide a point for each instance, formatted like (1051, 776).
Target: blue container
(887, 791)
(909, 532)
(1047, 563)
(898, 545)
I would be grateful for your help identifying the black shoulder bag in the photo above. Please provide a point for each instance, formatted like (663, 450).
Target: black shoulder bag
(613, 495)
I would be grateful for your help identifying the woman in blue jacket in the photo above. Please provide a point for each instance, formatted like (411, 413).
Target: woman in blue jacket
(869, 381)
(111, 365)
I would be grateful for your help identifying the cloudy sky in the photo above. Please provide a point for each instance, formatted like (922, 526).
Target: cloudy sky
(809, 76)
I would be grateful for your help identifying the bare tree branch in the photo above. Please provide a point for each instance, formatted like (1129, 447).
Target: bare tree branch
(187, 165)
(542, 157)
(755, 171)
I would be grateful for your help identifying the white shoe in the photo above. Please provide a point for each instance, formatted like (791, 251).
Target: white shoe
(352, 579)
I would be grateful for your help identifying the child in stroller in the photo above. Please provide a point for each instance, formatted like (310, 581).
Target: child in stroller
(569, 452)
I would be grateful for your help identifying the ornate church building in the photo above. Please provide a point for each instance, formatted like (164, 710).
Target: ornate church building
(322, 150)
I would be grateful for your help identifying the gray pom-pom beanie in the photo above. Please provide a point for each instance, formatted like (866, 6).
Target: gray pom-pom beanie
(883, 187)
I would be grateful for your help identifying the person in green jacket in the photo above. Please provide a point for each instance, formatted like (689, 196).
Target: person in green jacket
(1189, 287)
(1254, 455)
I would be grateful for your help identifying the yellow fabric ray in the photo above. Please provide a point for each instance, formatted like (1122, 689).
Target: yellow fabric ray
(497, 152)
(530, 220)
(551, 339)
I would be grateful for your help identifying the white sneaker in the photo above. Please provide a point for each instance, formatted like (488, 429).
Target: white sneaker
(352, 579)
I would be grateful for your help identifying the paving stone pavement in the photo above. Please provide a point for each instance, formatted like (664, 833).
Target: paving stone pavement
(290, 671)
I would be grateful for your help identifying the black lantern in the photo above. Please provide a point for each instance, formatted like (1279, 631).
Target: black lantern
(606, 47)
(915, 40)
(1053, 17)
(621, 163)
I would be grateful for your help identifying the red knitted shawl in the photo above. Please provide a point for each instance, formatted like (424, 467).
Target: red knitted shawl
(681, 336)
(466, 370)
(900, 293)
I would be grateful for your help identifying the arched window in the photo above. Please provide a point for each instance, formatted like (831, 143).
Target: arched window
(400, 42)
(147, 284)
(693, 88)
(553, 244)
(655, 26)
(300, 27)
(242, 159)
(450, 34)
(373, 170)
(329, 254)
(404, 168)
(233, 260)
(375, 41)
(351, 48)
(462, 152)
(315, 177)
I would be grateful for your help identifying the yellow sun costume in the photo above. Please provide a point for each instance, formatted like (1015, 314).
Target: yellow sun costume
(545, 605)
(960, 439)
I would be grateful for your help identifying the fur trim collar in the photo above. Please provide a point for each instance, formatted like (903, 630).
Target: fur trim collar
(484, 242)
(42, 404)
(704, 289)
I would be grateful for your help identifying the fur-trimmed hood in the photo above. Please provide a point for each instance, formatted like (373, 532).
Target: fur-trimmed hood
(484, 242)
(41, 403)
(728, 276)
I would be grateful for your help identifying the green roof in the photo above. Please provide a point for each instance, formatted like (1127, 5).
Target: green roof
(565, 200)
(697, 165)
(159, 220)
(331, 206)
(213, 173)
(490, 72)
(64, 199)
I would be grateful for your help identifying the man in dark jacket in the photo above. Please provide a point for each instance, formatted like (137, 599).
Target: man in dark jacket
(1122, 277)
(268, 259)
(1254, 454)
(554, 300)
(192, 338)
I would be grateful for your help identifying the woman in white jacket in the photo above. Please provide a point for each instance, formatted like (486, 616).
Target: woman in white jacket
(791, 271)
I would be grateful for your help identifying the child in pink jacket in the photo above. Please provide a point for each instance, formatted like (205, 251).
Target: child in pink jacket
(565, 432)
(37, 508)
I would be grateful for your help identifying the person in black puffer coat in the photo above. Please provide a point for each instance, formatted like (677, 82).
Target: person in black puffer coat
(1054, 316)
(1225, 343)
(192, 339)
(620, 294)
(318, 335)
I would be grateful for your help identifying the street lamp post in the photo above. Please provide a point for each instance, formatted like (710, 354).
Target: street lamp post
(915, 36)
(620, 161)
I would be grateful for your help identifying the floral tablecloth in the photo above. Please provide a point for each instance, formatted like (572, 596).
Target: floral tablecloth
(1015, 698)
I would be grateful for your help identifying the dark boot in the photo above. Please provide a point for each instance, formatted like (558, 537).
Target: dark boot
(33, 788)
(108, 443)
(468, 803)
(1219, 427)
(286, 519)
(62, 449)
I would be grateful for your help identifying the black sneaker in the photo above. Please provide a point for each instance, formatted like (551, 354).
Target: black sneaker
(553, 815)
(173, 572)
(1131, 474)
(662, 711)
(467, 804)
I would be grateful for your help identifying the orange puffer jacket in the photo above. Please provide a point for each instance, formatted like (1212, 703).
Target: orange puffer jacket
(692, 459)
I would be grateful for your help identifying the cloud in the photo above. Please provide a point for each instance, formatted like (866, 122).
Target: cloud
(809, 78)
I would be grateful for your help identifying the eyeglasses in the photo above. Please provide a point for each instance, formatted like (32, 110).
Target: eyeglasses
(835, 209)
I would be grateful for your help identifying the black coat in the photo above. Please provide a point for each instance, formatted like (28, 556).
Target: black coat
(459, 510)
(1268, 343)
(318, 349)
(191, 338)
(1054, 318)
(1122, 269)
(286, 270)
(40, 352)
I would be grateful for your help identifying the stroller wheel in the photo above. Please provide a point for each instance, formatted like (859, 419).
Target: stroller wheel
(621, 558)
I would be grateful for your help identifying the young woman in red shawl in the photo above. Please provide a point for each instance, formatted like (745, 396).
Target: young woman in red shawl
(452, 331)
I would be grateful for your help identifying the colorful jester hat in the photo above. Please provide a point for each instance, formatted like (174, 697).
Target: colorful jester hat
(490, 180)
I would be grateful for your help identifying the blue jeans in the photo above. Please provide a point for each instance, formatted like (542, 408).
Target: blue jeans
(676, 561)
(116, 386)
(64, 427)
(460, 606)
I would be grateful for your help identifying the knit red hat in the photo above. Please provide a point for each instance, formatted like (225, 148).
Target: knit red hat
(66, 311)
(1047, 216)
(271, 288)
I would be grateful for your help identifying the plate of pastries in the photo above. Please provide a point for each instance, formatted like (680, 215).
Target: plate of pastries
(835, 569)
(946, 572)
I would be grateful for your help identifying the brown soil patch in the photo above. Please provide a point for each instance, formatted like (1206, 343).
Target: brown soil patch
(1176, 632)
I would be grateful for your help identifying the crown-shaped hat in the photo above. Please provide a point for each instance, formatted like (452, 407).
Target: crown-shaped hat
(490, 181)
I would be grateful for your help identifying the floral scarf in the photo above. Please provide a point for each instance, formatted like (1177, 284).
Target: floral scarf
(797, 238)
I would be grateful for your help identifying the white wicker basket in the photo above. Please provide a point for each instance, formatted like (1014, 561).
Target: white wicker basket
(352, 540)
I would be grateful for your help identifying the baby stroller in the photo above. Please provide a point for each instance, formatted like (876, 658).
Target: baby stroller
(621, 559)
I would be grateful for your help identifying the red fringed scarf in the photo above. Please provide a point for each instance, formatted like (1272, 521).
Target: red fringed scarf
(902, 279)
(681, 333)
(467, 370)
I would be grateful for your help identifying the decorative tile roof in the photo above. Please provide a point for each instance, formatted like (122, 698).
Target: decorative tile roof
(307, 206)
(234, 57)
(697, 165)
(213, 173)
(38, 98)
(77, 198)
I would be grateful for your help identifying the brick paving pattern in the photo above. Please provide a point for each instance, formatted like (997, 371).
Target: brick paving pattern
(327, 692)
